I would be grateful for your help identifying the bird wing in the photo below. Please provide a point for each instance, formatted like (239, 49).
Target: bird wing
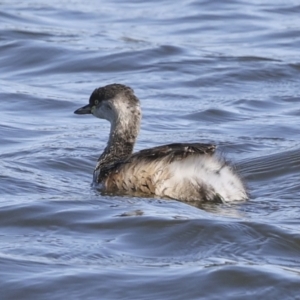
(176, 151)
(143, 170)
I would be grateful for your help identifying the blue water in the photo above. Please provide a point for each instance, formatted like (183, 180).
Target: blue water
(225, 72)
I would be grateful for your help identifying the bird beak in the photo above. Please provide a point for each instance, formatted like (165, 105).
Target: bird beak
(83, 110)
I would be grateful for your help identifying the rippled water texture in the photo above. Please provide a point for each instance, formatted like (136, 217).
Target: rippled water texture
(226, 72)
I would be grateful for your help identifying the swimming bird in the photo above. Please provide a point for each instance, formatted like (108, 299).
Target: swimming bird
(184, 171)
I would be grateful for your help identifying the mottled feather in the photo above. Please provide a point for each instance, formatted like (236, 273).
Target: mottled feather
(187, 172)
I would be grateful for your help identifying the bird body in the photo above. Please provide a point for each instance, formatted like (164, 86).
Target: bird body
(187, 172)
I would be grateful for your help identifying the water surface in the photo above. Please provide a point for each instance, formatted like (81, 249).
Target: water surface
(205, 71)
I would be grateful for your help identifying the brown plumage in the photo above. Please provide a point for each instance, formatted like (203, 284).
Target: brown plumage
(142, 172)
(187, 172)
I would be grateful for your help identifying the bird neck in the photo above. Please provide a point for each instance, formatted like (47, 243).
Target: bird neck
(123, 133)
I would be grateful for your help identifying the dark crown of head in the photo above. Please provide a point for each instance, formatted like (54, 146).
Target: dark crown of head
(109, 91)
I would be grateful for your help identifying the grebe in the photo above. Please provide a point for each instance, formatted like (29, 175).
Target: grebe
(186, 172)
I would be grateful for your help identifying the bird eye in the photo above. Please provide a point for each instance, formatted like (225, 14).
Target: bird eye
(96, 102)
